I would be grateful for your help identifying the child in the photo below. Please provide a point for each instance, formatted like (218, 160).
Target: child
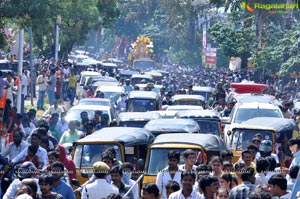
(32, 157)
(171, 187)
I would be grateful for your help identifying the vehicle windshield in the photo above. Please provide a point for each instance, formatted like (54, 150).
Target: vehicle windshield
(94, 102)
(139, 80)
(144, 65)
(87, 155)
(208, 127)
(74, 114)
(243, 137)
(205, 94)
(187, 102)
(141, 105)
(112, 96)
(244, 114)
(158, 159)
(139, 124)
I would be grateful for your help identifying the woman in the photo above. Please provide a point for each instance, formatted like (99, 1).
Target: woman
(222, 193)
(226, 181)
(216, 164)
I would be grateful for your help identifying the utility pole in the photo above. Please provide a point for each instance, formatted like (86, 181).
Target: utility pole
(57, 47)
(20, 69)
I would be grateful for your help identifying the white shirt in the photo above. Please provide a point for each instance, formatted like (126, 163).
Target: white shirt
(179, 195)
(12, 150)
(62, 127)
(286, 196)
(98, 189)
(261, 179)
(24, 83)
(163, 179)
(275, 156)
(52, 110)
(182, 167)
(41, 153)
(9, 90)
(135, 189)
(67, 73)
(12, 189)
(41, 83)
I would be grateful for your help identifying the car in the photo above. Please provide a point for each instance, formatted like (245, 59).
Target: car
(142, 101)
(85, 81)
(194, 100)
(140, 79)
(256, 97)
(74, 112)
(242, 112)
(104, 81)
(205, 91)
(97, 102)
(136, 119)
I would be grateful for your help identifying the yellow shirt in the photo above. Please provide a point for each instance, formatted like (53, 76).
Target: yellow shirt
(72, 81)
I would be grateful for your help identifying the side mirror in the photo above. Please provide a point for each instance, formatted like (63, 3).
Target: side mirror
(229, 133)
(75, 182)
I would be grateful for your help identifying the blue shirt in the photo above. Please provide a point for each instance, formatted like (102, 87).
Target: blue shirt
(65, 190)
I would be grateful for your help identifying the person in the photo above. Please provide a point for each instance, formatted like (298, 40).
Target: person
(121, 103)
(167, 100)
(32, 157)
(53, 109)
(187, 180)
(62, 124)
(293, 173)
(294, 145)
(260, 193)
(60, 186)
(226, 181)
(91, 191)
(278, 187)
(71, 135)
(23, 192)
(127, 87)
(150, 191)
(46, 183)
(25, 171)
(32, 183)
(116, 177)
(262, 168)
(72, 87)
(24, 84)
(189, 158)
(97, 118)
(220, 94)
(14, 148)
(172, 187)
(209, 185)
(172, 172)
(248, 185)
(127, 169)
(51, 86)
(66, 75)
(216, 164)
(41, 152)
(265, 150)
(247, 158)
(41, 83)
(3, 85)
(9, 78)
(201, 171)
(89, 129)
(226, 156)
(68, 163)
(222, 193)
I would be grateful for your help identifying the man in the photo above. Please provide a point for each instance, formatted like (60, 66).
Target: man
(72, 87)
(167, 100)
(9, 78)
(248, 185)
(71, 135)
(41, 83)
(51, 86)
(262, 168)
(59, 185)
(41, 152)
(127, 169)
(24, 90)
(97, 118)
(3, 85)
(91, 191)
(171, 173)
(53, 109)
(265, 150)
(187, 180)
(66, 74)
(189, 158)
(46, 183)
(150, 191)
(127, 87)
(278, 187)
(247, 158)
(16, 147)
(121, 103)
(202, 170)
(62, 125)
(116, 177)
(209, 186)
(84, 119)
(226, 156)
(26, 171)
(293, 173)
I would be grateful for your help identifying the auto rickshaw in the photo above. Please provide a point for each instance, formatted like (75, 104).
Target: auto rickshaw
(136, 119)
(278, 130)
(160, 126)
(209, 121)
(195, 100)
(140, 79)
(204, 145)
(142, 101)
(129, 143)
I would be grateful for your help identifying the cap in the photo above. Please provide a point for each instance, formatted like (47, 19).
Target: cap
(266, 145)
(100, 167)
(294, 141)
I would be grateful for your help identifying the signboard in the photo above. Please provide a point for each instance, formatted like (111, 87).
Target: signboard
(211, 56)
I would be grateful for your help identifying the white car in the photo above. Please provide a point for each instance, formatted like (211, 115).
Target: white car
(74, 112)
(85, 80)
(242, 112)
(111, 92)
